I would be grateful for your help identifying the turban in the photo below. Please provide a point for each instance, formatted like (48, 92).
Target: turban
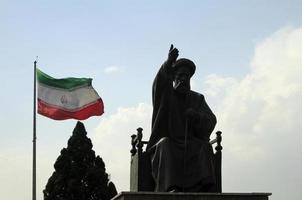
(183, 62)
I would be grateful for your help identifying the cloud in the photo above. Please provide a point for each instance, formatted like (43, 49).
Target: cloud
(260, 118)
(113, 69)
(258, 114)
(112, 140)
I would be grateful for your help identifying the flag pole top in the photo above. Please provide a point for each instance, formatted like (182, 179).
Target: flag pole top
(36, 60)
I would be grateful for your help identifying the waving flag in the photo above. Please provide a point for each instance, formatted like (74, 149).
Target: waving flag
(67, 98)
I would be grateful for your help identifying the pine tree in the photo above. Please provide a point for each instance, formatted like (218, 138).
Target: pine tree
(79, 174)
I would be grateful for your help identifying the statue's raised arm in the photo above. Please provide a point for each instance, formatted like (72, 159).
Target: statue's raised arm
(163, 80)
(164, 75)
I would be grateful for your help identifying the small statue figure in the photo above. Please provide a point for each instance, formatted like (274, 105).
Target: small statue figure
(182, 122)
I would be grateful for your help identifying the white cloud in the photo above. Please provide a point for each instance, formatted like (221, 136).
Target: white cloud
(258, 114)
(260, 118)
(113, 69)
(112, 140)
(217, 85)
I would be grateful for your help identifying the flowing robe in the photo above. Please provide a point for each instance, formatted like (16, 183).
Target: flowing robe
(181, 155)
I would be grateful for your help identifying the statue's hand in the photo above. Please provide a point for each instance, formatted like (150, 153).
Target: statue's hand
(173, 54)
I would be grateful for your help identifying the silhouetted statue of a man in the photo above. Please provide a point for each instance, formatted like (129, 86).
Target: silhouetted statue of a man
(181, 156)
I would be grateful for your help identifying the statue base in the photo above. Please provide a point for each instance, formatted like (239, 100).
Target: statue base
(190, 196)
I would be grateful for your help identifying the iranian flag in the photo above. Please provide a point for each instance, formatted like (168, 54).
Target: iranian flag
(67, 98)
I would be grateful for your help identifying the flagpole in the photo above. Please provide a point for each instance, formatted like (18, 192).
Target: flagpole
(34, 137)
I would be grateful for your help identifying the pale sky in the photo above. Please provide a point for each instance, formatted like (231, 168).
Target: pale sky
(249, 63)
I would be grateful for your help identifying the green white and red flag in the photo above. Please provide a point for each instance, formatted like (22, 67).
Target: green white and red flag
(67, 98)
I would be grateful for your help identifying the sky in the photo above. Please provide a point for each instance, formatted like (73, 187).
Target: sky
(248, 58)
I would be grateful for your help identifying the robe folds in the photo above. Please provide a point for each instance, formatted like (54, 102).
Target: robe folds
(181, 155)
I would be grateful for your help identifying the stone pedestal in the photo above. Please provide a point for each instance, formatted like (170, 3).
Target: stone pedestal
(190, 196)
